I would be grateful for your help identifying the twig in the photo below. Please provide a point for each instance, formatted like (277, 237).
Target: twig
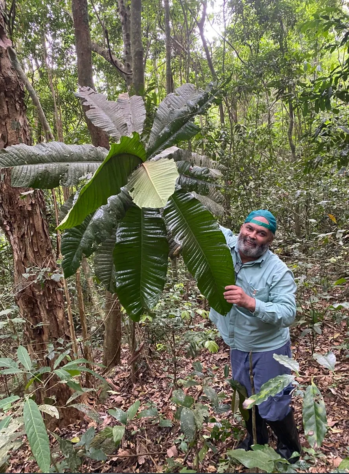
(254, 428)
(135, 455)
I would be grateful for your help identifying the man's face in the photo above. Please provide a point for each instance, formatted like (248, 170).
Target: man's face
(254, 240)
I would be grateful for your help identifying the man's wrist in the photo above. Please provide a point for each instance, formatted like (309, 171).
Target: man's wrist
(251, 304)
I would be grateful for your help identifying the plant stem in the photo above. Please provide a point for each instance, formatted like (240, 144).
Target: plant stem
(254, 428)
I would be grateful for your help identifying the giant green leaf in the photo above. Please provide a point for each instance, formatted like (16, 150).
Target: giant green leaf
(49, 165)
(82, 240)
(269, 389)
(104, 264)
(314, 416)
(37, 435)
(117, 119)
(174, 118)
(140, 258)
(107, 180)
(203, 247)
(153, 183)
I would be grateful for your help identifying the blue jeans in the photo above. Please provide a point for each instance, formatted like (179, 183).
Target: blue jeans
(264, 368)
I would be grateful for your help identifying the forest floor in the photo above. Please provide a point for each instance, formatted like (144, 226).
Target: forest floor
(147, 447)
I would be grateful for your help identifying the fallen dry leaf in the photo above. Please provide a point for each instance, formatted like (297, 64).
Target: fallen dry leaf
(172, 452)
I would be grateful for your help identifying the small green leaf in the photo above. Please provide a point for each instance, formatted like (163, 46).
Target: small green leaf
(5, 422)
(188, 425)
(131, 412)
(182, 399)
(148, 413)
(88, 411)
(212, 346)
(37, 435)
(118, 434)
(269, 389)
(96, 454)
(344, 464)
(8, 363)
(8, 401)
(50, 410)
(314, 416)
(287, 362)
(328, 361)
(119, 415)
(165, 423)
(24, 358)
(87, 437)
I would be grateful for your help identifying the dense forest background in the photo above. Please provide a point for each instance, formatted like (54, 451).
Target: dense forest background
(83, 386)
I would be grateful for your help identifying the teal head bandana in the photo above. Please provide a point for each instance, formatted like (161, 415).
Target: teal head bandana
(272, 226)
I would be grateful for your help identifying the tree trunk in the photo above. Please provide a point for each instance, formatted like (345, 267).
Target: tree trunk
(125, 18)
(39, 298)
(169, 80)
(84, 57)
(137, 47)
(112, 335)
(201, 24)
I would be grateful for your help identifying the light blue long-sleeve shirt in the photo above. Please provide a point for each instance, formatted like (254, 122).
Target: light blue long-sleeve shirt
(271, 283)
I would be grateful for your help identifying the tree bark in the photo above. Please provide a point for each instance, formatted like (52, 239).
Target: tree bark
(137, 47)
(39, 298)
(169, 80)
(84, 59)
(125, 18)
(201, 24)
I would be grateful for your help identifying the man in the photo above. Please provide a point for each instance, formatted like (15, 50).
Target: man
(264, 307)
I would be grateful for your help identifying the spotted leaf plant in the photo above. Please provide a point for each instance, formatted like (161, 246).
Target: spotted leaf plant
(144, 193)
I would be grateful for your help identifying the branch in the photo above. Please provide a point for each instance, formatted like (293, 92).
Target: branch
(108, 56)
(16, 65)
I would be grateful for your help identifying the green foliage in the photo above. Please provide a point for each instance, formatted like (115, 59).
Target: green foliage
(314, 416)
(269, 389)
(203, 246)
(263, 457)
(37, 435)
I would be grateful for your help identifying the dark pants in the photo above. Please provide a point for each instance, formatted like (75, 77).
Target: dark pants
(264, 368)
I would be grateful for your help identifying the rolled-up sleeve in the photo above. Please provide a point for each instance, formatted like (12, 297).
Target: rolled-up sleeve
(280, 310)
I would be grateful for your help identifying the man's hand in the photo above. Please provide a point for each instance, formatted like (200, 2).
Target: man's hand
(236, 295)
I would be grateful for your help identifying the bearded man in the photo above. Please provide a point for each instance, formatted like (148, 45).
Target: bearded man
(263, 308)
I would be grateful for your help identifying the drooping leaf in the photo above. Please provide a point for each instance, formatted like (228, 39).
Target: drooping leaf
(140, 258)
(287, 362)
(148, 413)
(24, 358)
(328, 361)
(200, 413)
(104, 264)
(49, 165)
(87, 437)
(82, 240)
(69, 453)
(50, 410)
(107, 181)
(153, 183)
(188, 425)
(263, 458)
(203, 247)
(5, 422)
(269, 389)
(87, 411)
(212, 206)
(37, 435)
(174, 118)
(117, 119)
(314, 416)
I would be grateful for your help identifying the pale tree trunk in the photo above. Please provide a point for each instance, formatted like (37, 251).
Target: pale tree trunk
(169, 80)
(58, 122)
(201, 24)
(125, 18)
(91, 287)
(112, 337)
(137, 47)
(84, 57)
(24, 224)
